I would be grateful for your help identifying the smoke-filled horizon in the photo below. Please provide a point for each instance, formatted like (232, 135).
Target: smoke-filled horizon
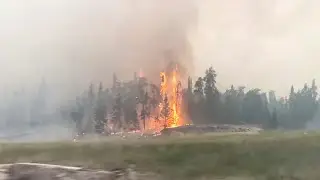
(265, 44)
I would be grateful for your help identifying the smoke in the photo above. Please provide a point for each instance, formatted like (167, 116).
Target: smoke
(265, 44)
(153, 33)
(72, 43)
(269, 44)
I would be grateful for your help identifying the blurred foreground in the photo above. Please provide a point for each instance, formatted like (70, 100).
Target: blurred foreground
(269, 155)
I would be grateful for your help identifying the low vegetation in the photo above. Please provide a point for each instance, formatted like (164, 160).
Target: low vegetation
(272, 155)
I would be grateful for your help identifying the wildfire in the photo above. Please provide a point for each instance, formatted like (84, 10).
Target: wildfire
(168, 113)
(170, 89)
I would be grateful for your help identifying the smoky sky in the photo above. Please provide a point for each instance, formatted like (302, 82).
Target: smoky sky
(269, 44)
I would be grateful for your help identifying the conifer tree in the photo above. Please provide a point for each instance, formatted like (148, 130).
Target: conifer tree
(198, 87)
(117, 111)
(100, 112)
(210, 83)
(166, 111)
(212, 101)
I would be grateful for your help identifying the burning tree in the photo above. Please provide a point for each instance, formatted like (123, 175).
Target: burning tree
(166, 111)
(170, 90)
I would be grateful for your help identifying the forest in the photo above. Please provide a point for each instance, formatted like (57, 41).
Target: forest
(131, 105)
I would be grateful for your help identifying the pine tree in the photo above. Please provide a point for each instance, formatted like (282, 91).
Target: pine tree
(305, 105)
(198, 87)
(254, 108)
(212, 101)
(100, 112)
(231, 106)
(117, 111)
(166, 111)
(210, 83)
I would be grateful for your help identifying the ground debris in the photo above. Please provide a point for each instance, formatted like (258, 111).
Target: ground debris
(35, 171)
(201, 129)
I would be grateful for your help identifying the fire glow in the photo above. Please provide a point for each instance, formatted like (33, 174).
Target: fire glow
(168, 113)
(170, 91)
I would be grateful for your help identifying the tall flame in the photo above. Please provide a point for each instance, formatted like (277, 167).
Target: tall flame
(169, 110)
(173, 91)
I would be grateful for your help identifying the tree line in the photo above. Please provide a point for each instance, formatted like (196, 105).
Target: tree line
(203, 103)
(206, 104)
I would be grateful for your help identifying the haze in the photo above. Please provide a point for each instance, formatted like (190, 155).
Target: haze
(269, 44)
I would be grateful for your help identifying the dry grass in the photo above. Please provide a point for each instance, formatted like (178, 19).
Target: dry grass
(271, 155)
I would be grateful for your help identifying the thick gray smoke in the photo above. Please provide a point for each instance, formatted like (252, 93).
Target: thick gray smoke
(77, 41)
(270, 44)
(72, 43)
(150, 31)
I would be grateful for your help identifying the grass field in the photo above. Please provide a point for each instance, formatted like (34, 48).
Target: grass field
(269, 155)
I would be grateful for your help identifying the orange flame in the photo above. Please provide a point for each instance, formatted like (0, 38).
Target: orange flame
(173, 90)
(170, 87)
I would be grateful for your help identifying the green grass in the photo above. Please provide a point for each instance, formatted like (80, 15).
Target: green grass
(269, 155)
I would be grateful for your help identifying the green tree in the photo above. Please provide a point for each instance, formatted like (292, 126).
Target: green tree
(304, 106)
(210, 83)
(198, 87)
(254, 108)
(212, 101)
(197, 112)
(232, 106)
